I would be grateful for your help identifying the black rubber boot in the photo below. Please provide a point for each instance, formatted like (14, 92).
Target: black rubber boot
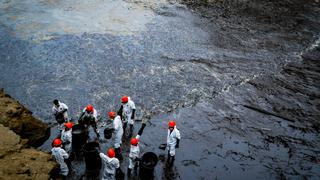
(135, 169)
(168, 159)
(118, 154)
(171, 161)
(129, 172)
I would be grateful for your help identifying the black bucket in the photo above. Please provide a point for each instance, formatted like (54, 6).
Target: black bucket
(107, 133)
(79, 138)
(92, 159)
(147, 164)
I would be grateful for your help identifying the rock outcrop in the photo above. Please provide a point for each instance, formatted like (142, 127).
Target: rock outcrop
(20, 120)
(18, 162)
(17, 159)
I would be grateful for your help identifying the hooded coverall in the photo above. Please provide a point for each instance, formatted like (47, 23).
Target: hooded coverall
(127, 111)
(66, 137)
(94, 115)
(134, 153)
(62, 107)
(91, 116)
(110, 166)
(60, 155)
(60, 118)
(172, 140)
(118, 131)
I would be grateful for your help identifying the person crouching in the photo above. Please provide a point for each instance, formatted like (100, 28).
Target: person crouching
(60, 155)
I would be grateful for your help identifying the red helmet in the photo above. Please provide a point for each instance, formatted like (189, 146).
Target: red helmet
(134, 141)
(57, 142)
(124, 99)
(111, 153)
(89, 108)
(171, 124)
(68, 125)
(112, 114)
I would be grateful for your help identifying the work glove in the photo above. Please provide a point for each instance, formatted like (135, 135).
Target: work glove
(178, 141)
(133, 113)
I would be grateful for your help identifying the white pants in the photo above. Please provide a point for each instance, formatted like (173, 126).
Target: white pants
(172, 150)
(67, 148)
(128, 119)
(108, 176)
(118, 138)
(64, 169)
(131, 163)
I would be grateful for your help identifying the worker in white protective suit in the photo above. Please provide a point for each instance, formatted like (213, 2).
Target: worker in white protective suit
(111, 164)
(60, 113)
(60, 155)
(66, 137)
(89, 116)
(173, 140)
(134, 154)
(118, 132)
(127, 113)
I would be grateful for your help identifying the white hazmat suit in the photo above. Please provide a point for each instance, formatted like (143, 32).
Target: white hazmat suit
(94, 114)
(110, 166)
(118, 131)
(60, 155)
(66, 137)
(127, 111)
(59, 109)
(134, 153)
(172, 140)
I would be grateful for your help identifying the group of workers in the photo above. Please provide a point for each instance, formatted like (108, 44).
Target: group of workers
(111, 160)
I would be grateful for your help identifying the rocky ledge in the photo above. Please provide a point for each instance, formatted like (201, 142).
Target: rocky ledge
(20, 120)
(17, 159)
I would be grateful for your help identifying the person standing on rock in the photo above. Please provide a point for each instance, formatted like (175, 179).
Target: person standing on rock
(118, 132)
(127, 113)
(111, 165)
(66, 137)
(173, 140)
(60, 155)
(59, 110)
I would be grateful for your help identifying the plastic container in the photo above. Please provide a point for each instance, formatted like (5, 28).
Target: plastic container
(147, 164)
(79, 138)
(92, 159)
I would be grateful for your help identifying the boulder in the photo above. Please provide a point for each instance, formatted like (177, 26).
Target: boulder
(20, 120)
(18, 162)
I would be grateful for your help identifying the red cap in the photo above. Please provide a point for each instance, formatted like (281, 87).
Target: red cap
(112, 114)
(134, 141)
(68, 125)
(89, 108)
(171, 124)
(124, 99)
(57, 142)
(111, 153)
